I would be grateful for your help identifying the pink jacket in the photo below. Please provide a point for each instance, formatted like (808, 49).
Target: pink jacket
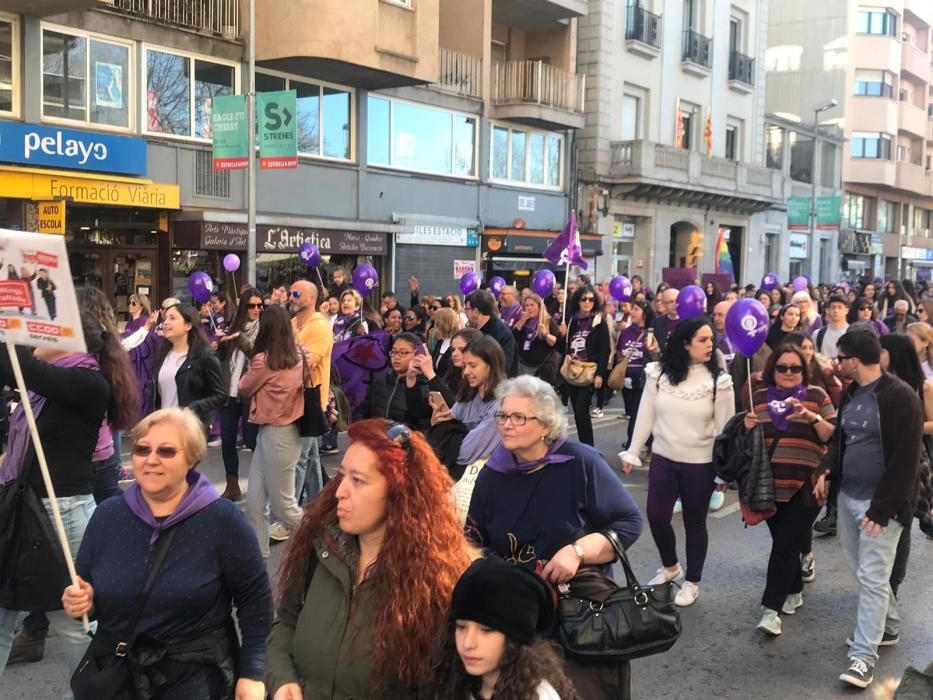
(277, 395)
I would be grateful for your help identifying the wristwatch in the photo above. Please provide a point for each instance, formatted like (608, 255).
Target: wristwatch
(817, 420)
(579, 550)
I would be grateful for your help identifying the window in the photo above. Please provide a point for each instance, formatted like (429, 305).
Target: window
(853, 211)
(631, 108)
(774, 147)
(885, 218)
(801, 158)
(524, 155)
(874, 83)
(735, 34)
(85, 78)
(415, 137)
(690, 14)
(876, 20)
(732, 143)
(688, 114)
(9, 64)
(179, 92)
(870, 145)
(321, 109)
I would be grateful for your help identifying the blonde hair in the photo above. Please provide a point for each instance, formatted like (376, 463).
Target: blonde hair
(189, 427)
(355, 294)
(143, 302)
(446, 322)
(924, 331)
(543, 316)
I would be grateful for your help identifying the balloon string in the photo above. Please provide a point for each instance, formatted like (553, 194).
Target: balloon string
(751, 398)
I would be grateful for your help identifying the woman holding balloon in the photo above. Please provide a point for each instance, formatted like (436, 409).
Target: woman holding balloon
(349, 322)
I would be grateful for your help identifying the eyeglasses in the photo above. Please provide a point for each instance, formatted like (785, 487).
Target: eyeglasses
(842, 357)
(133, 303)
(400, 353)
(589, 299)
(400, 435)
(254, 306)
(296, 294)
(518, 419)
(411, 318)
(788, 369)
(162, 451)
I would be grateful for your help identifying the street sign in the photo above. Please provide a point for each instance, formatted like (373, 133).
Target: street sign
(229, 132)
(52, 217)
(278, 129)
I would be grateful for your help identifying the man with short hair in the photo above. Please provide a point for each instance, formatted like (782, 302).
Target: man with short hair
(510, 310)
(667, 319)
(722, 338)
(480, 308)
(898, 321)
(875, 453)
(389, 302)
(837, 308)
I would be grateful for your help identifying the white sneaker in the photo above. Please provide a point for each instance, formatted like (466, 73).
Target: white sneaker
(716, 501)
(687, 595)
(663, 576)
(278, 532)
(214, 443)
(678, 506)
(770, 622)
(791, 603)
(596, 413)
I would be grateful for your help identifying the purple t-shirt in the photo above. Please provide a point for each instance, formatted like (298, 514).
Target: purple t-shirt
(634, 339)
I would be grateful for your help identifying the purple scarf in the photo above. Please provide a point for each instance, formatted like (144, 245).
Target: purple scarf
(504, 462)
(778, 408)
(135, 324)
(200, 494)
(340, 327)
(19, 428)
(531, 330)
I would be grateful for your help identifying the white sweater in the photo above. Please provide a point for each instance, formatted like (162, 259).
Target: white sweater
(682, 418)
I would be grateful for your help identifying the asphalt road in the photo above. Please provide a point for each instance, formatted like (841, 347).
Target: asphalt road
(720, 654)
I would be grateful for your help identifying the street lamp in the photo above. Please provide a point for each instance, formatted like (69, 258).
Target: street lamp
(816, 142)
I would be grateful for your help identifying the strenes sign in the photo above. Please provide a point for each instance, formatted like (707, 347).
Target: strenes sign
(278, 129)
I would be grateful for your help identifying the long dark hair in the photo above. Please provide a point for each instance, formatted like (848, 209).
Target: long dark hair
(454, 377)
(489, 351)
(197, 340)
(645, 310)
(902, 359)
(675, 359)
(123, 409)
(714, 298)
(899, 293)
(224, 350)
(276, 339)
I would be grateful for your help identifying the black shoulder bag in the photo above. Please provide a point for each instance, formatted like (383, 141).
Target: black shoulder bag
(110, 676)
(312, 423)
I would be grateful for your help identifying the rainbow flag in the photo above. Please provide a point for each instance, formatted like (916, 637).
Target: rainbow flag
(723, 258)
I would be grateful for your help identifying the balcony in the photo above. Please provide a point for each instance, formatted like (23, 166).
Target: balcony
(44, 8)
(912, 120)
(537, 94)
(218, 17)
(532, 15)
(644, 169)
(642, 32)
(741, 72)
(913, 178)
(459, 73)
(916, 62)
(697, 55)
(872, 171)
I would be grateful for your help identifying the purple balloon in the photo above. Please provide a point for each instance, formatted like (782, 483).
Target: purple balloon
(365, 277)
(747, 325)
(543, 283)
(691, 302)
(200, 285)
(310, 255)
(231, 262)
(470, 282)
(620, 288)
(770, 281)
(800, 284)
(495, 285)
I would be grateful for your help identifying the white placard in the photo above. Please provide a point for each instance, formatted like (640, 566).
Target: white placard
(461, 267)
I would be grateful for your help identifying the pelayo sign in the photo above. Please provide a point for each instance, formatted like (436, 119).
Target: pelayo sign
(30, 144)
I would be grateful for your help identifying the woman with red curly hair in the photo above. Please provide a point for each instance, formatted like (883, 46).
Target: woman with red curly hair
(374, 561)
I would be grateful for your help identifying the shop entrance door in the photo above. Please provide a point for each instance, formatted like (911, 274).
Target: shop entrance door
(119, 272)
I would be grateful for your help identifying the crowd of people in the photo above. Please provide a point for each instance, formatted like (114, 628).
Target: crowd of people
(471, 398)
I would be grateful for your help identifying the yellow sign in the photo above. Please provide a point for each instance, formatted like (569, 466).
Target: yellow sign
(120, 192)
(51, 217)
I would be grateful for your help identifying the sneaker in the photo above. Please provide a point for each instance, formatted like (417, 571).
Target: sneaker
(278, 532)
(687, 595)
(826, 526)
(716, 501)
(887, 640)
(214, 443)
(597, 413)
(808, 568)
(859, 674)
(26, 649)
(791, 603)
(770, 622)
(664, 576)
(678, 506)
(329, 450)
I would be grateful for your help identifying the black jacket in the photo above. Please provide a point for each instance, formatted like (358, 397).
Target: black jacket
(387, 398)
(597, 345)
(900, 415)
(497, 329)
(199, 383)
(740, 455)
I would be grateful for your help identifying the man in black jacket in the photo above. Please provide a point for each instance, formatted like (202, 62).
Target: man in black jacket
(667, 319)
(480, 307)
(876, 454)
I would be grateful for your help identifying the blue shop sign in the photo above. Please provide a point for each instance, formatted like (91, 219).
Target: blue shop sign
(31, 144)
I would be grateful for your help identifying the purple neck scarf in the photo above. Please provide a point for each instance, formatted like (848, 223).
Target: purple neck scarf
(340, 327)
(778, 408)
(200, 494)
(503, 461)
(19, 428)
(531, 329)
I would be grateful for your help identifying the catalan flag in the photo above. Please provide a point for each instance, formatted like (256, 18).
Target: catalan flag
(723, 258)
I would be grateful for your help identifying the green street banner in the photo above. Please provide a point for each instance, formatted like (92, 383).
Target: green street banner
(229, 132)
(828, 213)
(278, 129)
(798, 214)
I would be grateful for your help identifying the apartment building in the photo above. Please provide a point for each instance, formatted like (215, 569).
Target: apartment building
(434, 135)
(673, 148)
(875, 60)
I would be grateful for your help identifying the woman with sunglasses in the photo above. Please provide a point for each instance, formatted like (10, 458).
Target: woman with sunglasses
(414, 321)
(234, 351)
(798, 419)
(186, 642)
(349, 322)
(866, 313)
(387, 392)
(139, 309)
(348, 624)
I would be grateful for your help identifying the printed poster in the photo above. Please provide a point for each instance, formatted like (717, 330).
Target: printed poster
(37, 296)
(109, 84)
(461, 267)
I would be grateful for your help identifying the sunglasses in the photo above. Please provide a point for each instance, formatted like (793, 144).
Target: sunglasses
(296, 294)
(411, 318)
(589, 299)
(788, 369)
(842, 357)
(134, 303)
(400, 435)
(162, 452)
(254, 306)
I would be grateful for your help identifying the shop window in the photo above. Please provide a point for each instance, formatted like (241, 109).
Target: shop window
(86, 78)
(774, 147)
(179, 92)
(9, 64)
(424, 139)
(527, 156)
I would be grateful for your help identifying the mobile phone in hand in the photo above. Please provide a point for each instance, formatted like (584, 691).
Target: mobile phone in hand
(422, 349)
(436, 400)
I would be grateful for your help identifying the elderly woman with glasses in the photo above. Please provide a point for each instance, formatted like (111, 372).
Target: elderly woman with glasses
(798, 419)
(545, 499)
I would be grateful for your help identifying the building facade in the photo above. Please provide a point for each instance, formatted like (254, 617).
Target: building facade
(875, 60)
(421, 127)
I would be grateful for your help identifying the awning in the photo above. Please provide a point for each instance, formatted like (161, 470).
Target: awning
(513, 241)
(40, 184)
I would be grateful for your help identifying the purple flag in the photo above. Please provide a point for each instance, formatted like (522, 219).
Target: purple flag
(566, 247)
(358, 360)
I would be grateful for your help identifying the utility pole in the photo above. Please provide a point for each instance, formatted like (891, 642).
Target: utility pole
(251, 170)
(816, 144)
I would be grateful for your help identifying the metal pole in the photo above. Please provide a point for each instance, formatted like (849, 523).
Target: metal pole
(816, 142)
(251, 170)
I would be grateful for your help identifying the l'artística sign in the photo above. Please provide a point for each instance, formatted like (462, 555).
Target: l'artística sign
(278, 129)
(229, 132)
(31, 144)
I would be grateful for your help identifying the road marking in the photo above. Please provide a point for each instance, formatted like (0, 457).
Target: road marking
(727, 511)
